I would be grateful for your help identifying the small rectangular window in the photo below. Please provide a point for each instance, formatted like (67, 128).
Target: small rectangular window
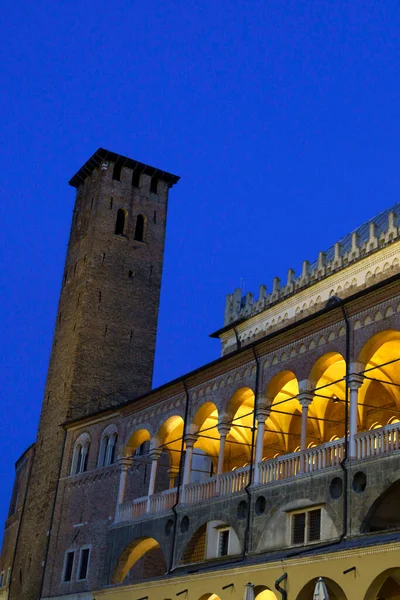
(314, 525)
(223, 542)
(298, 528)
(84, 563)
(8, 576)
(1, 579)
(68, 566)
(306, 526)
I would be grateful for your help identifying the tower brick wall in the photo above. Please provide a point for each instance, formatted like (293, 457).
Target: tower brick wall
(104, 340)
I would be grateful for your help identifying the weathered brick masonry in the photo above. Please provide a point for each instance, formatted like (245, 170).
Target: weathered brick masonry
(105, 331)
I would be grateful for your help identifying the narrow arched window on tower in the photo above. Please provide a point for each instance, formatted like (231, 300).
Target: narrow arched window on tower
(107, 447)
(80, 454)
(140, 229)
(120, 223)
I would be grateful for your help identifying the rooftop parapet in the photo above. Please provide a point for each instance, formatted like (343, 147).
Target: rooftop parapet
(366, 239)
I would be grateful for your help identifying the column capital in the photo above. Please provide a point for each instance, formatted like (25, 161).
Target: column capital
(125, 462)
(305, 398)
(190, 439)
(262, 413)
(305, 386)
(357, 367)
(173, 470)
(223, 429)
(355, 381)
(155, 453)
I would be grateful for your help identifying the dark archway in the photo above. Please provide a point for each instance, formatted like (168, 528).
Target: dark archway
(334, 590)
(386, 586)
(384, 513)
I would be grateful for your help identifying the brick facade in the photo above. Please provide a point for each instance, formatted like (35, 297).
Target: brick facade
(104, 339)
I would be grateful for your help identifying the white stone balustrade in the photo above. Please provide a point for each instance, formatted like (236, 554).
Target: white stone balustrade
(198, 491)
(163, 501)
(375, 442)
(368, 444)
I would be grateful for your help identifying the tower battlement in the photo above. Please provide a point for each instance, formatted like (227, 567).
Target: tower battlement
(367, 254)
(102, 159)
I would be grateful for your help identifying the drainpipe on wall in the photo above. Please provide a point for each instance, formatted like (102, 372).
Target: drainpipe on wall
(251, 470)
(178, 489)
(280, 589)
(336, 301)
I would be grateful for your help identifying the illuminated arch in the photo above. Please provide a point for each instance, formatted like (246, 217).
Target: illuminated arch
(204, 412)
(169, 436)
(205, 422)
(131, 554)
(209, 596)
(261, 592)
(240, 412)
(376, 358)
(326, 413)
(136, 439)
(284, 423)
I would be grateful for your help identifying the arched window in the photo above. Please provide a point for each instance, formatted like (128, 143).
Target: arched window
(140, 229)
(108, 444)
(81, 454)
(120, 223)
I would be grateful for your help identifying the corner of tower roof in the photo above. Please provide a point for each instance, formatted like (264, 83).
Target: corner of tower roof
(102, 156)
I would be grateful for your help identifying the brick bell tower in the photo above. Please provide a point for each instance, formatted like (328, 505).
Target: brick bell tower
(105, 333)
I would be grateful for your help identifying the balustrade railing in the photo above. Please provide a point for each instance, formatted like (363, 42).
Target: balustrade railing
(371, 443)
(279, 468)
(162, 501)
(326, 455)
(378, 441)
(128, 511)
(233, 481)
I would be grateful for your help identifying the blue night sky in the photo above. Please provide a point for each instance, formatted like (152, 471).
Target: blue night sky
(281, 117)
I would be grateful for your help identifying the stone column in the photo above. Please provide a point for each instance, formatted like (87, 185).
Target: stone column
(262, 415)
(355, 382)
(155, 454)
(84, 452)
(172, 473)
(223, 429)
(305, 399)
(125, 463)
(190, 440)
